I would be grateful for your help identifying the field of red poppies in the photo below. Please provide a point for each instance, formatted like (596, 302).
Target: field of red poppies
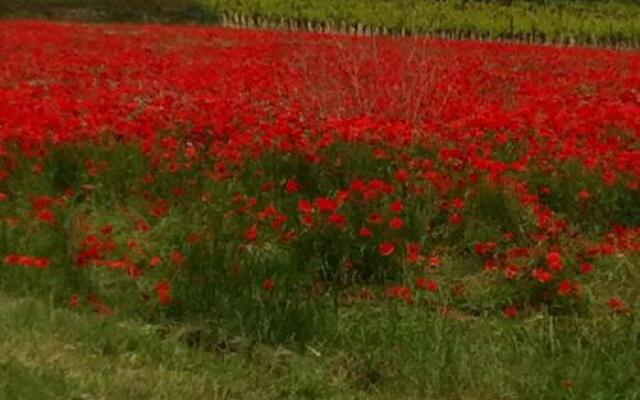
(385, 206)
(201, 171)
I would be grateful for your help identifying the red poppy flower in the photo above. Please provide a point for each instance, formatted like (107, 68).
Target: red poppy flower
(586, 268)
(163, 292)
(326, 204)
(396, 207)
(42, 202)
(339, 220)
(160, 209)
(142, 226)
(106, 230)
(510, 312)
(268, 284)
(565, 288)
(292, 186)
(457, 203)
(177, 258)
(155, 261)
(400, 292)
(427, 284)
(252, 233)
(47, 216)
(584, 194)
(74, 301)
(554, 261)
(396, 223)
(618, 305)
(375, 219)
(485, 248)
(490, 266)
(307, 220)
(456, 218)
(288, 236)
(365, 232)
(435, 261)
(542, 275)
(305, 206)
(401, 175)
(512, 272)
(413, 252)
(386, 249)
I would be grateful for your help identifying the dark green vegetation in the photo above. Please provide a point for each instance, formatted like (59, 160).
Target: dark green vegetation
(611, 23)
(48, 353)
(110, 10)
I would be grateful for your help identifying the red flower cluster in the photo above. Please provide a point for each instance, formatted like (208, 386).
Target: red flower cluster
(503, 163)
(27, 261)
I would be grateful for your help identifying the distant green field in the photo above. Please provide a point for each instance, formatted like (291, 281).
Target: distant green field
(615, 22)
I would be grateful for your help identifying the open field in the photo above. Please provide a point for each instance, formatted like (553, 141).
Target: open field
(610, 23)
(187, 210)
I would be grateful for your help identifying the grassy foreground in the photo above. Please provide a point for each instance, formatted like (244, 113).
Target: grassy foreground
(52, 353)
(595, 22)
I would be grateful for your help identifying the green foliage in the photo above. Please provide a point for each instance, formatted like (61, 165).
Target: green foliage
(109, 10)
(580, 21)
(585, 22)
(372, 353)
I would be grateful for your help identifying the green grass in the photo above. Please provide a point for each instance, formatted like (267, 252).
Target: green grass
(47, 352)
(594, 22)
